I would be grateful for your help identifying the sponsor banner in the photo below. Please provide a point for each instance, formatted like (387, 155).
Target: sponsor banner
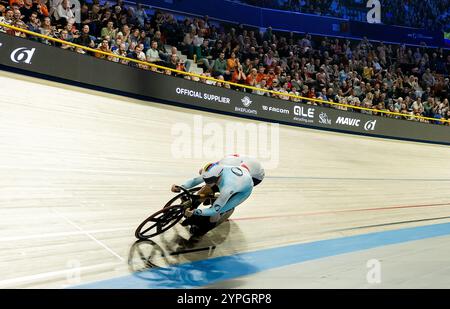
(110, 76)
(368, 125)
(207, 97)
(304, 113)
(22, 55)
(275, 109)
(246, 102)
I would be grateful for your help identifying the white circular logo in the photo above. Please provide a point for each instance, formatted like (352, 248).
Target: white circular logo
(22, 55)
(246, 101)
(370, 125)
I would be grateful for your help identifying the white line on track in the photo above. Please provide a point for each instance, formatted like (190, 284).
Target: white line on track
(62, 234)
(91, 171)
(53, 274)
(89, 235)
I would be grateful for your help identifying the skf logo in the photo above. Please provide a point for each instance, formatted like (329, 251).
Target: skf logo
(22, 55)
(323, 118)
(246, 101)
(370, 125)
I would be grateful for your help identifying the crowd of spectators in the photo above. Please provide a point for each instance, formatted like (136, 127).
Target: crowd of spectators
(402, 79)
(430, 14)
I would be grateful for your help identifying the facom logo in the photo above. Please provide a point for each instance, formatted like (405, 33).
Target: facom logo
(22, 55)
(348, 121)
(304, 112)
(246, 101)
(275, 109)
(323, 118)
(370, 125)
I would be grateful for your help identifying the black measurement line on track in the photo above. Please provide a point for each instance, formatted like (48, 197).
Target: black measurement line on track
(193, 250)
(391, 223)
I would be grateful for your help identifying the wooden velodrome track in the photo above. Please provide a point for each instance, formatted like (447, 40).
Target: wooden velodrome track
(79, 170)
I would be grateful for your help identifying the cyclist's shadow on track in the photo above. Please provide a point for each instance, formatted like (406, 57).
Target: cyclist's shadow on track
(180, 262)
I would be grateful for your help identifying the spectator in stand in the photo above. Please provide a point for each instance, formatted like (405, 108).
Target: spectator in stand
(85, 38)
(64, 13)
(47, 29)
(135, 36)
(121, 51)
(42, 8)
(109, 30)
(104, 47)
(205, 55)
(197, 43)
(428, 78)
(26, 9)
(238, 75)
(65, 36)
(220, 67)
(251, 79)
(34, 24)
(153, 53)
(141, 15)
(232, 63)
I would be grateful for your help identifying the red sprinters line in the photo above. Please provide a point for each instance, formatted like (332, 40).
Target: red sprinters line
(339, 211)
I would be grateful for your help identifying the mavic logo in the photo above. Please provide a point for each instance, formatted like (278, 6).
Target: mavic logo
(348, 121)
(22, 55)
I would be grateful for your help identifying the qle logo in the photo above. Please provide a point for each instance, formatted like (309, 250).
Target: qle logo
(246, 101)
(22, 55)
(304, 112)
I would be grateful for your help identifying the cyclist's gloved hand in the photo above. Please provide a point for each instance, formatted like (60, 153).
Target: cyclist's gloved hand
(188, 213)
(175, 189)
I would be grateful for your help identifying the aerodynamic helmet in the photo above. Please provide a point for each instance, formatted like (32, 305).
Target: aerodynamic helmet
(211, 173)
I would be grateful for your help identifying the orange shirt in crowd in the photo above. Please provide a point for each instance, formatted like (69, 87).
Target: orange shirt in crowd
(231, 64)
(270, 78)
(44, 9)
(234, 76)
(260, 77)
(251, 80)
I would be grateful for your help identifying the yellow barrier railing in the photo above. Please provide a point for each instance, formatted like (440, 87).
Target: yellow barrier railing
(149, 64)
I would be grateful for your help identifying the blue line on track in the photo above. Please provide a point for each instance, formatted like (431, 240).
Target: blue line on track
(205, 272)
